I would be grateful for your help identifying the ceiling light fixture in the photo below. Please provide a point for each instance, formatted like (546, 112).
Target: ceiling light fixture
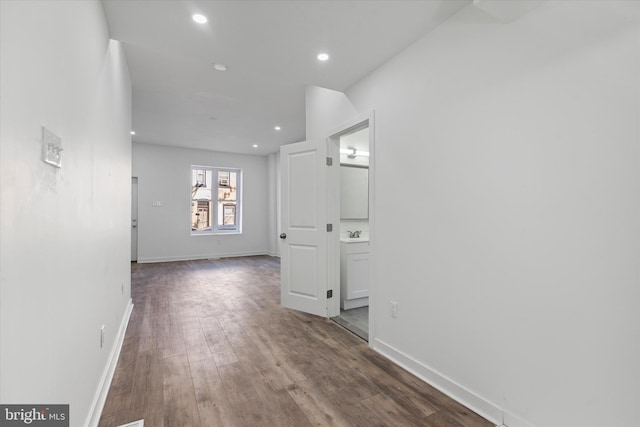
(200, 19)
(255, 145)
(220, 67)
(323, 56)
(133, 132)
(277, 128)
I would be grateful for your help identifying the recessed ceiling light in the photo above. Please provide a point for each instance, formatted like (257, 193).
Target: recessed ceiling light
(133, 132)
(277, 128)
(200, 19)
(220, 67)
(255, 145)
(323, 56)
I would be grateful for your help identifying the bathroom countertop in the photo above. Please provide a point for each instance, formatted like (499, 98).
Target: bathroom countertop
(354, 240)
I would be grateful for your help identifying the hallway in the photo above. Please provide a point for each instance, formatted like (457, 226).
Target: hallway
(209, 345)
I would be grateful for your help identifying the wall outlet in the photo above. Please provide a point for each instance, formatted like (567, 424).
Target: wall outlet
(101, 336)
(394, 309)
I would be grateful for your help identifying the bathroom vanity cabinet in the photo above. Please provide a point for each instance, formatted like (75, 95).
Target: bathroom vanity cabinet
(354, 273)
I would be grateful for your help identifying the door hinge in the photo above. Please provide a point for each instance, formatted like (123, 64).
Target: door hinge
(329, 227)
(330, 293)
(329, 161)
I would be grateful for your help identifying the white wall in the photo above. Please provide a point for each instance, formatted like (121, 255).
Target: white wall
(64, 234)
(325, 111)
(515, 266)
(164, 233)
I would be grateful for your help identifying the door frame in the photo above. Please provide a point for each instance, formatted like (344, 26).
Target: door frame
(133, 223)
(333, 196)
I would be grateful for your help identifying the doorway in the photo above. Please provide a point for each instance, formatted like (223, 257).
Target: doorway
(312, 232)
(134, 219)
(354, 145)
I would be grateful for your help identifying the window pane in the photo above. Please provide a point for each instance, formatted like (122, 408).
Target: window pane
(201, 184)
(227, 187)
(227, 214)
(201, 215)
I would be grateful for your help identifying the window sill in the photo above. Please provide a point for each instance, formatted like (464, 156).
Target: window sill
(218, 233)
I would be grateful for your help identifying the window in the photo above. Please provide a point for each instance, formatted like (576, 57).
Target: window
(215, 200)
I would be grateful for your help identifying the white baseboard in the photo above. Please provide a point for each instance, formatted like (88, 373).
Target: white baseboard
(511, 420)
(97, 405)
(457, 392)
(201, 256)
(139, 423)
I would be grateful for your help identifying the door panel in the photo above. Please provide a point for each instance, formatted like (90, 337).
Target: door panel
(304, 217)
(303, 277)
(302, 190)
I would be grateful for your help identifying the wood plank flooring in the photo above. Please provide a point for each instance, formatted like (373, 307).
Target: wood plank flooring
(209, 345)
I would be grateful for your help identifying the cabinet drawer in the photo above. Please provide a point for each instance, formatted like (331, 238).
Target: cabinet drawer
(356, 248)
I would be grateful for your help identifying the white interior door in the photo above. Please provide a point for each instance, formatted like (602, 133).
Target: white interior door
(304, 241)
(134, 219)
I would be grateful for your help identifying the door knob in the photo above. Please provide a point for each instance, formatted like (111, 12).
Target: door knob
(283, 235)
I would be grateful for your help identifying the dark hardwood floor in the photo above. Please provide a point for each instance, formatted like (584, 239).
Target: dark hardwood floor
(209, 345)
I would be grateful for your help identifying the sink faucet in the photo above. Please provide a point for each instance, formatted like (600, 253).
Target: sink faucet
(354, 234)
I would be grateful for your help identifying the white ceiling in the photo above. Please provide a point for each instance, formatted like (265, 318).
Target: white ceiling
(270, 50)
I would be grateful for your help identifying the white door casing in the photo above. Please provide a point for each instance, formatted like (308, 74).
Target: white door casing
(304, 259)
(134, 219)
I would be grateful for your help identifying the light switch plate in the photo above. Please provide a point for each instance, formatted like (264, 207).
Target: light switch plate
(394, 309)
(51, 148)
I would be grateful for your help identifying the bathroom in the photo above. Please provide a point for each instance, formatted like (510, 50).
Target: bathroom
(354, 232)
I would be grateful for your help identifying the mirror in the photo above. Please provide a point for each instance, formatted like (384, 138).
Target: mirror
(354, 175)
(354, 192)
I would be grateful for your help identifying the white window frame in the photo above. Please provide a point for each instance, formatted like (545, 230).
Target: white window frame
(215, 228)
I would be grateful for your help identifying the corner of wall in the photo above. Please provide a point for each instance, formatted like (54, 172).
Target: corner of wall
(326, 109)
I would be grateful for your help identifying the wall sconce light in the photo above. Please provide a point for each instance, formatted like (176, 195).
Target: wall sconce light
(352, 153)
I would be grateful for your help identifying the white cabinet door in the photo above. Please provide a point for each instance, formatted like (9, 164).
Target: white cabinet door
(358, 275)
(354, 275)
